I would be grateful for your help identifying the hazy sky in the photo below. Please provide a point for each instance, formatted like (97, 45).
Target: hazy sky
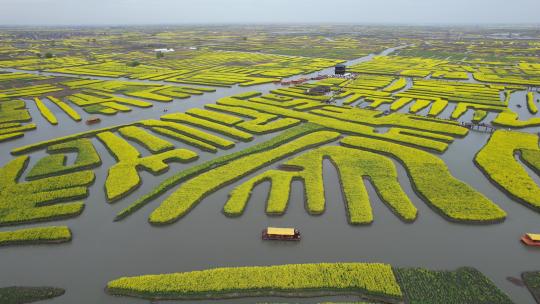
(60, 12)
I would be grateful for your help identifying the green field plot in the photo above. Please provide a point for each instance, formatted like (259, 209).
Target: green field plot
(512, 176)
(370, 280)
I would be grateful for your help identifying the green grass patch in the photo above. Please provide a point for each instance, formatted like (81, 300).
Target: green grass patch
(19, 294)
(532, 280)
(463, 286)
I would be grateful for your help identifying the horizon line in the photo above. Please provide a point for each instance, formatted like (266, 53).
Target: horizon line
(388, 24)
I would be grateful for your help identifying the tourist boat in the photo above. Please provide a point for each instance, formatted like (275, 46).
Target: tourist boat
(93, 120)
(531, 239)
(281, 234)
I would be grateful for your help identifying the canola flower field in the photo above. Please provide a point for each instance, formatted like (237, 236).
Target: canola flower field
(155, 139)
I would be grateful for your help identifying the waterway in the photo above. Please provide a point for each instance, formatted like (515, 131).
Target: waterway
(103, 250)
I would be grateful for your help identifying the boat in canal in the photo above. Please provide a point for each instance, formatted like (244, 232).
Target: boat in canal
(281, 234)
(93, 120)
(531, 239)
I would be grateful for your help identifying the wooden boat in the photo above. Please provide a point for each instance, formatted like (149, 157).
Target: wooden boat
(531, 239)
(93, 120)
(281, 234)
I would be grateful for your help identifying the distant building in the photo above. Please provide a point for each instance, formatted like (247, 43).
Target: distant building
(340, 69)
(163, 50)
